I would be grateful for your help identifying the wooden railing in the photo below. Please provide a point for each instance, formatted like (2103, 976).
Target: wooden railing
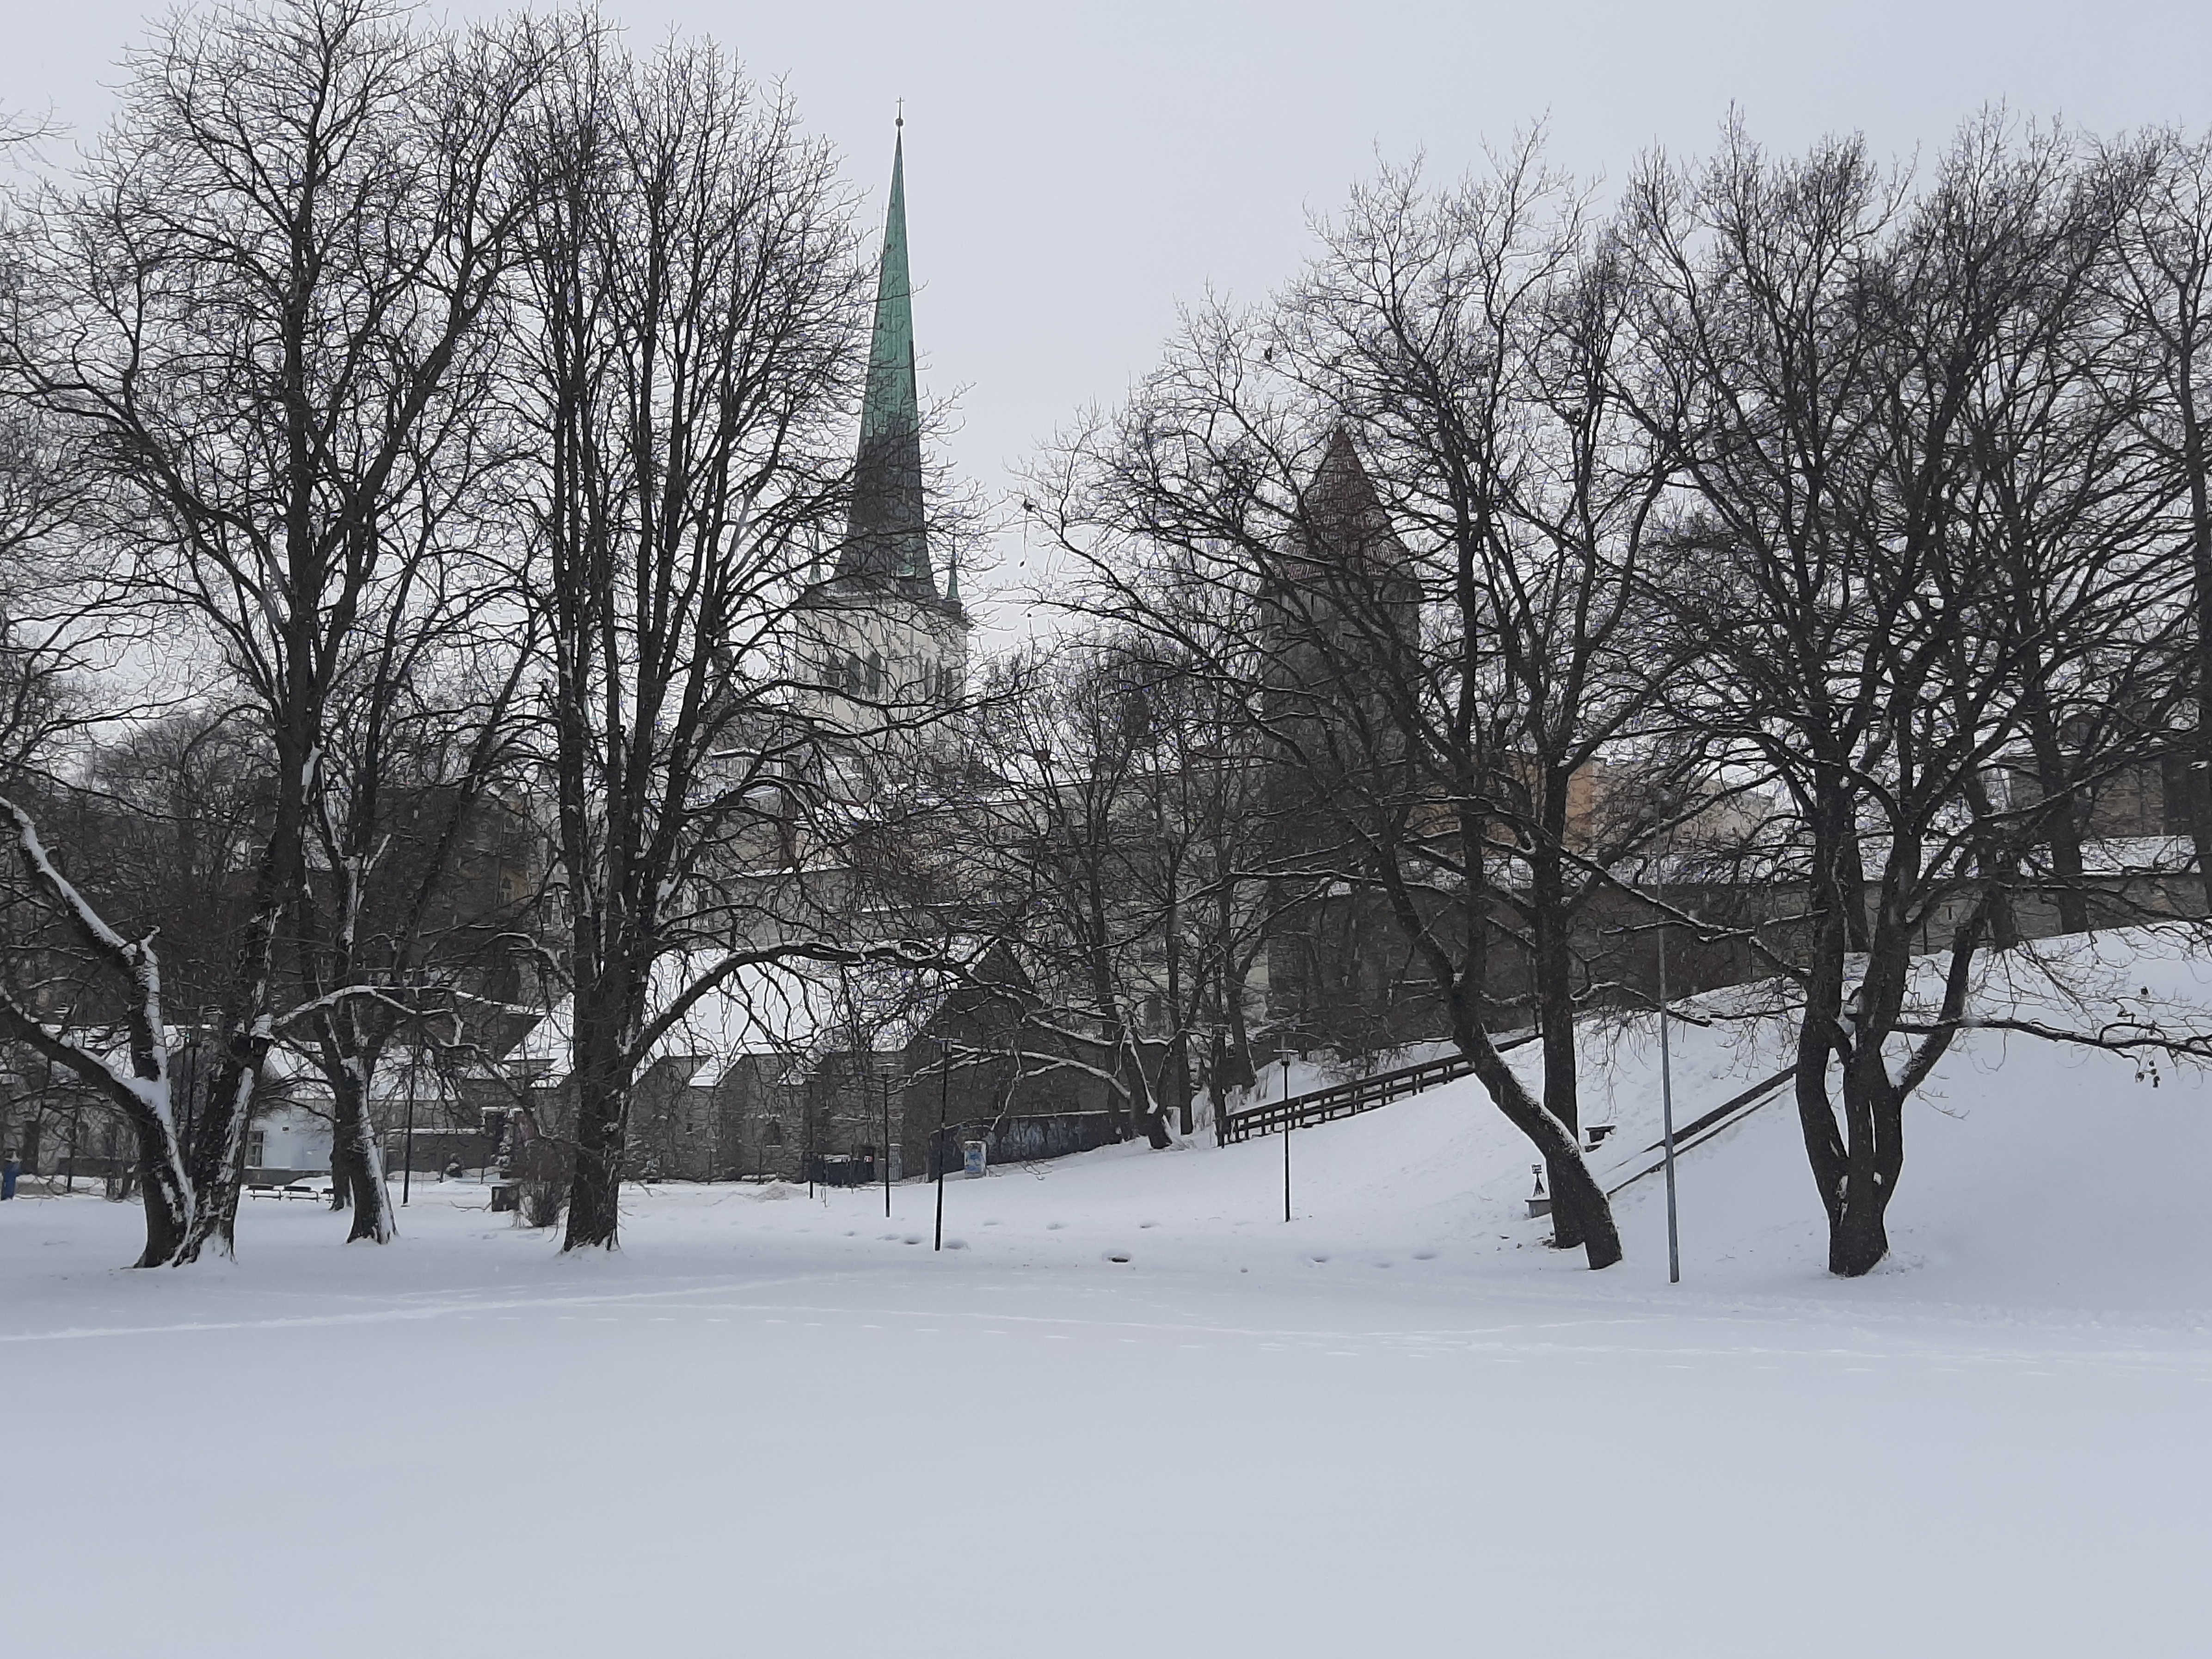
(1347, 1099)
(1365, 1094)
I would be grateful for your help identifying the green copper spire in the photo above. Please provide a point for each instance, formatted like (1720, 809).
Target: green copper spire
(893, 405)
(885, 540)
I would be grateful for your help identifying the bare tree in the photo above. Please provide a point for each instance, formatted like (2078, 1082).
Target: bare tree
(2072, 513)
(1836, 333)
(1439, 624)
(1481, 341)
(693, 339)
(2159, 280)
(1075, 857)
(255, 312)
(419, 744)
(136, 1082)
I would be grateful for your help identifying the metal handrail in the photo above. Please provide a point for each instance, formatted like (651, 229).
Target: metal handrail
(1696, 1133)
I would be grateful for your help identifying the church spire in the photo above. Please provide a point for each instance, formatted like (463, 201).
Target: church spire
(886, 541)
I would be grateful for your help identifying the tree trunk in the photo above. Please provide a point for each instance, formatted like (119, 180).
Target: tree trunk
(1860, 1177)
(602, 1127)
(147, 1099)
(1553, 971)
(1180, 1092)
(1145, 1104)
(165, 1200)
(1127, 1115)
(218, 1141)
(217, 1146)
(1850, 888)
(1553, 1141)
(1216, 1085)
(2065, 826)
(1858, 1236)
(356, 1165)
(1821, 1030)
(2066, 869)
(1242, 1074)
(1998, 873)
(2196, 470)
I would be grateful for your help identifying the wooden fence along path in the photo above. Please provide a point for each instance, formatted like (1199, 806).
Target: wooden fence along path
(1362, 1094)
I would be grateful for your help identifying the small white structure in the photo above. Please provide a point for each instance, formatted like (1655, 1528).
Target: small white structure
(287, 1140)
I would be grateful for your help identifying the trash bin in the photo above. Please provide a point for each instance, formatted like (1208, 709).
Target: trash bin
(506, 1195)
(972, 1158)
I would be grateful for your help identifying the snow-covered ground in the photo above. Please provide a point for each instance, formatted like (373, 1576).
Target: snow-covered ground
(1396, 1426)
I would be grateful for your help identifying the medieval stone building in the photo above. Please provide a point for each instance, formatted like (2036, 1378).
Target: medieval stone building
(1343, 620)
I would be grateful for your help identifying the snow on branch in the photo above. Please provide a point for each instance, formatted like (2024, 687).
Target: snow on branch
(148, 1084)
(46, 874)
(337, 998)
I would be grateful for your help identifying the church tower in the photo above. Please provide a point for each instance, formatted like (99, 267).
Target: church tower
(886, 645)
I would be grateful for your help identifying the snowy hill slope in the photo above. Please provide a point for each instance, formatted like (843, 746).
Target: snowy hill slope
(2037, 1174)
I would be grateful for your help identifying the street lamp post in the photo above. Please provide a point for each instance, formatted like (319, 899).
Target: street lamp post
(943, 1098)
(884, 1151)
(407, 1157)
(1285, 1057)
(1666, 1102)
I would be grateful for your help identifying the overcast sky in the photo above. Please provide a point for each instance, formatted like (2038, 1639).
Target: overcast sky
(1074, 172)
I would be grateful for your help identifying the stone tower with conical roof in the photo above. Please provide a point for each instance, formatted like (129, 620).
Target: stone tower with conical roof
(1341, 628)
(886, 645)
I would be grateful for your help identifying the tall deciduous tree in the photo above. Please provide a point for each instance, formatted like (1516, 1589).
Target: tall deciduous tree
(2160, 278)
(694, 340)
(260, 313)
(1405, 512)
(1841, 337)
